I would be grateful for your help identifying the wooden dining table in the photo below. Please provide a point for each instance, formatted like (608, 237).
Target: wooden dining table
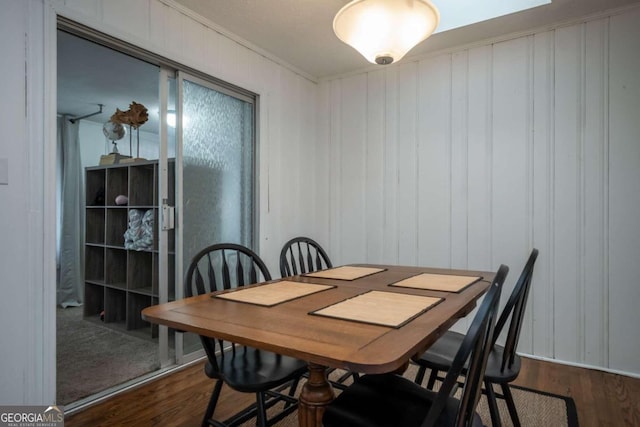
(310, 327)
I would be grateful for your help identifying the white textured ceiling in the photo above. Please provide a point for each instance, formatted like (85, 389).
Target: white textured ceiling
(300, 31)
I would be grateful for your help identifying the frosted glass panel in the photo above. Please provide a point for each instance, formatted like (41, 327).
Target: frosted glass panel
(218, 159)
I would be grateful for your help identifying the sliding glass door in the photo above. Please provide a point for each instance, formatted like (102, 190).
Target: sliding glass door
(216, 191)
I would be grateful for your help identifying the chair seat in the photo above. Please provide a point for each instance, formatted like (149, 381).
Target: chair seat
(441, 353)
(493, 373)
(387, 400)
(251, 370)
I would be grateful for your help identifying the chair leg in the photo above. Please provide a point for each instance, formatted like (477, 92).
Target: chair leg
(493, 405)
(346, 375)
(508, 397)
(261, 413)
(432, 379)
(211, 407)
(420, 375)
(292, 391)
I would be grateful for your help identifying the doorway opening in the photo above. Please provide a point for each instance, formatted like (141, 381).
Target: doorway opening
(112, 179)
(101, 342)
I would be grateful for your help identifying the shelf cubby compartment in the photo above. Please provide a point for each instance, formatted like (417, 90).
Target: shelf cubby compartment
(115, 302)
(135, 304)
(93, 300)
(95, 187)
(142, 185)
(118, 181)
(116, 268)
(94, 263)
(140, 272)
(94, 226)
(117, 223)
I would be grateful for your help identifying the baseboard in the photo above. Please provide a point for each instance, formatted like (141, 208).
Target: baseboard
(581, 365)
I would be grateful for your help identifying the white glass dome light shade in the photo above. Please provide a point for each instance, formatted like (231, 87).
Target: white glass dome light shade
(383, 31)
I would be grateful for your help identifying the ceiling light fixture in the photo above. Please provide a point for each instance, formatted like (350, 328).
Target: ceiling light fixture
(383, 31)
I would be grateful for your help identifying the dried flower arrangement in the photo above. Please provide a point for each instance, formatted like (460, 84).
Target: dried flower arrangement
(135, 116)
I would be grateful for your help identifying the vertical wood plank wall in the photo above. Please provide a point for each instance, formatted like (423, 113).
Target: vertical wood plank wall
(471, 158)
(287, 127)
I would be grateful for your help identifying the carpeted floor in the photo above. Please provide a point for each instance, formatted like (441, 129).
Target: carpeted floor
(92, 357)
(535, 409)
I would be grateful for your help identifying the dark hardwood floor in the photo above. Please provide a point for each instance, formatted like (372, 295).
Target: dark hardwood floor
(602, 399)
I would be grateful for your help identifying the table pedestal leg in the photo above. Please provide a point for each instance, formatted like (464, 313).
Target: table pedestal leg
(316, 394)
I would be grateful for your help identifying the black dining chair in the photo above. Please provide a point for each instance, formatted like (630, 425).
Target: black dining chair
(392, 400)
(503, 365)
(302, 255)
(244, 369)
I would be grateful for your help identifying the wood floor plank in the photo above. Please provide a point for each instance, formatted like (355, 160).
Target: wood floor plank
(621, 395)
(179, 399)
(590, 403)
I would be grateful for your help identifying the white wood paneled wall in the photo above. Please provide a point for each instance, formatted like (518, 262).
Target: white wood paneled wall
(287, 102)
(469, 159)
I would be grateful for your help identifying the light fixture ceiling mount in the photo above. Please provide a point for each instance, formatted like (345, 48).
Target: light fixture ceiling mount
(383, 31)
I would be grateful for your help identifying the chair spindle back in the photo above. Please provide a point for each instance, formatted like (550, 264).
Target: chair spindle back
(302, 255)
(474, 351)
(515, 309)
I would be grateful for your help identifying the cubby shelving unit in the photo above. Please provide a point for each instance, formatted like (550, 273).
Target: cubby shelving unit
(120, 282)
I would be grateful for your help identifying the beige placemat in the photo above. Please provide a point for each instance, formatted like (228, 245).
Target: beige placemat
(273, 293)
(380, 308)
(345, 272)
(438, 282)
